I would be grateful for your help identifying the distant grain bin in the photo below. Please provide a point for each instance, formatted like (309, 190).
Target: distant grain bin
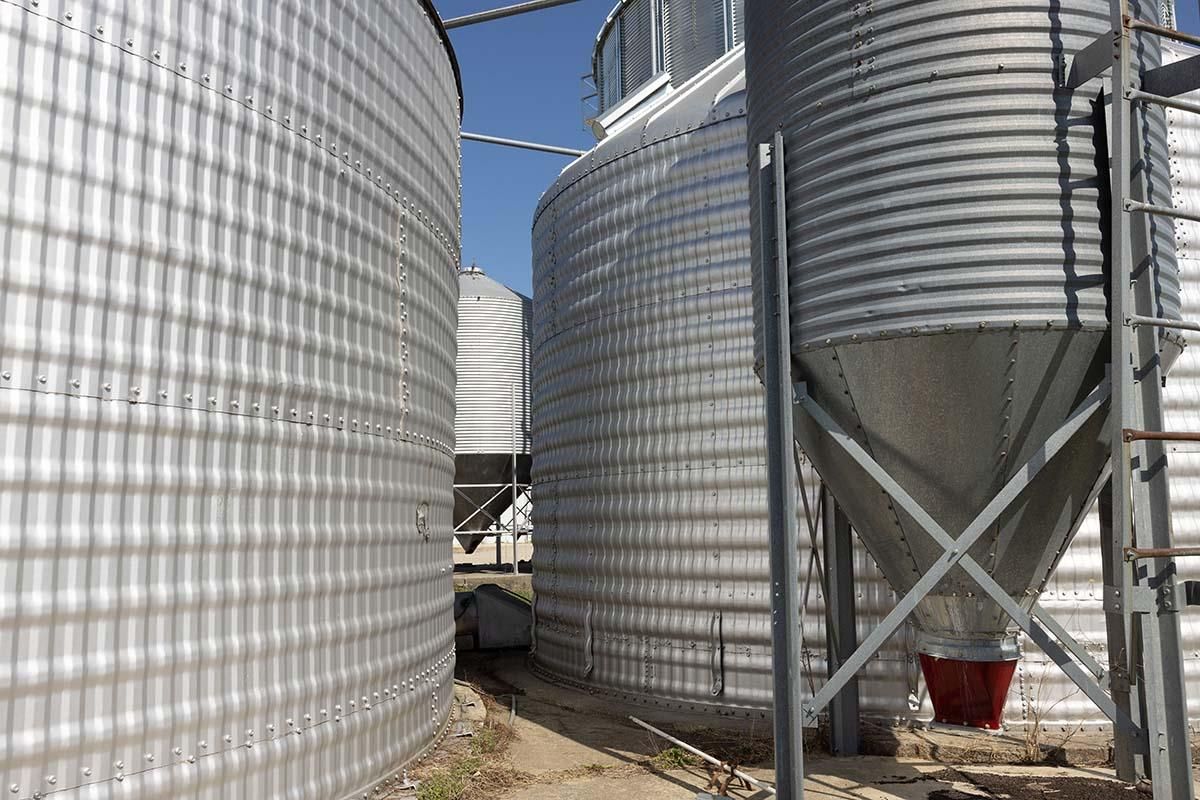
(227, 302)
(491, 425)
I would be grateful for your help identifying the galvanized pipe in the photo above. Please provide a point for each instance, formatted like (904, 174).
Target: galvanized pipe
(523, 145)
(501, 13)
(682, 745)
(1134, 320)
(1131, 435)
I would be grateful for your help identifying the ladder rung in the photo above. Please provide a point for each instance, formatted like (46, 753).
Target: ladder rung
(1166, 33)
(1161, 211)
(1161, 322)
(1169, 102)
(1134, 553)
(1130, 435)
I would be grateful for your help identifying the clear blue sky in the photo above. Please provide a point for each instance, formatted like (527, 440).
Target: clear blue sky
(521, 78)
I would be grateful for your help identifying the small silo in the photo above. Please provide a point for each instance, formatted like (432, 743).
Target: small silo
(228, 257)
(947, 288)
(491, 421)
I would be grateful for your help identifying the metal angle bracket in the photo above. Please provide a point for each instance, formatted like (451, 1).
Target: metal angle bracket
(1171, 80)
(1091, 61)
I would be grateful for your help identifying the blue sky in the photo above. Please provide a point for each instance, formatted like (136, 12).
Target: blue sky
(521, 79)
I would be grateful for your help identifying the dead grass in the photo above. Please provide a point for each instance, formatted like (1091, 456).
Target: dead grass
(477, 767)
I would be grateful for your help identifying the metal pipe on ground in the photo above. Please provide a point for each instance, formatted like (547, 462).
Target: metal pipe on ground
(737, 773)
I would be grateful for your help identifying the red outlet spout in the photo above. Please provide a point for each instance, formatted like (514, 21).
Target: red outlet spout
(968, 693)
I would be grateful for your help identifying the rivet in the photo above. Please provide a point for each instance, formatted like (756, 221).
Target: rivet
(163, 394)
(129, 42)
(206, 78)
(6, 375)
(188, 397)
(249, 100)
(157, 54)
(212, 401)
(69, 16)
(41, 378)
(87, 772)
(203, 745)
(271, 728)
(191, 759)
(294, 412)
(50, 779)
(275, 409)
(228, 88)
(14, 788)
(119, 765)
(182, 67)
(235, 403)
(228, 738)
(150, 757)
(178, 751)
(257, 406)
(324, 712)
(120, 776)
(310, 415)
(137, 390)
(100, 29)
(291, 723)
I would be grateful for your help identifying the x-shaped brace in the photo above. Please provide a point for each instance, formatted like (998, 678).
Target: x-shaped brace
(955, 551)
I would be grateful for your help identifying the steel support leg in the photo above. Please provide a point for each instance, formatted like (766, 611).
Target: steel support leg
(781, 478)
(841, 636)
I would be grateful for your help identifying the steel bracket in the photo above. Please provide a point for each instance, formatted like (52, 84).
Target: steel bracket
(1092, 60)
(1171, 80)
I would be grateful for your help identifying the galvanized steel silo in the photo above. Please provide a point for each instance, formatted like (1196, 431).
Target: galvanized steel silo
(650, 570)
(227, 319)
(947, 291)
(491, 421)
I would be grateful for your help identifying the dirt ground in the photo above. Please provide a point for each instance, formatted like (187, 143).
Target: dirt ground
(564, 744)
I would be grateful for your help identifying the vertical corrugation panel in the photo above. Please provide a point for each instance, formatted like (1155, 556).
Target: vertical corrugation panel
(493, 367)
(227, 320)
(697, 36)
(609, 74)
(637, 46)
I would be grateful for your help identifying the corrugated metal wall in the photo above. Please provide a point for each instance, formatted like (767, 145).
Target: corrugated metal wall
(227, 316)
(681, 37)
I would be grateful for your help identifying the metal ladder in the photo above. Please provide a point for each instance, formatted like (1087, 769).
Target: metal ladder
(1142, 597)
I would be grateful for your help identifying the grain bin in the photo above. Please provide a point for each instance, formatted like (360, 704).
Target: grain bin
(491, 421)
(944, 211)
(650, 572)
(227, 319)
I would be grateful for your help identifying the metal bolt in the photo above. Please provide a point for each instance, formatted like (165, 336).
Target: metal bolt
(6, 375)
(119, 764)
(100, 29)
(188, 397)
(157, 54)
(14, 788)
(182, 67)
(163, 394)
(228, 738)
(191, 759)
(212, 401)
(235, 403)
(70, 16)
(41, 378)
(129, 42)
(87, 772)
(150, 757)
(294, 412)
(271, 728)
(120, 776)
(137, 390)
(178, 751)
(203, 745)
(50, 779)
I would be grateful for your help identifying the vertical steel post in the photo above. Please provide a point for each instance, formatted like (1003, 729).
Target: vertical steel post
(1119, 623)
(774, 324)
(512, 400)
(841, 636)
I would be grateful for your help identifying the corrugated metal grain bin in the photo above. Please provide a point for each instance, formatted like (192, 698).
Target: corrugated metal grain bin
(491, 422)
(651, 566)
(228, 250)
(947, 290)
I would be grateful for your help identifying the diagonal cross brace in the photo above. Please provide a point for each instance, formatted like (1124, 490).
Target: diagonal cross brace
(955, 551)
